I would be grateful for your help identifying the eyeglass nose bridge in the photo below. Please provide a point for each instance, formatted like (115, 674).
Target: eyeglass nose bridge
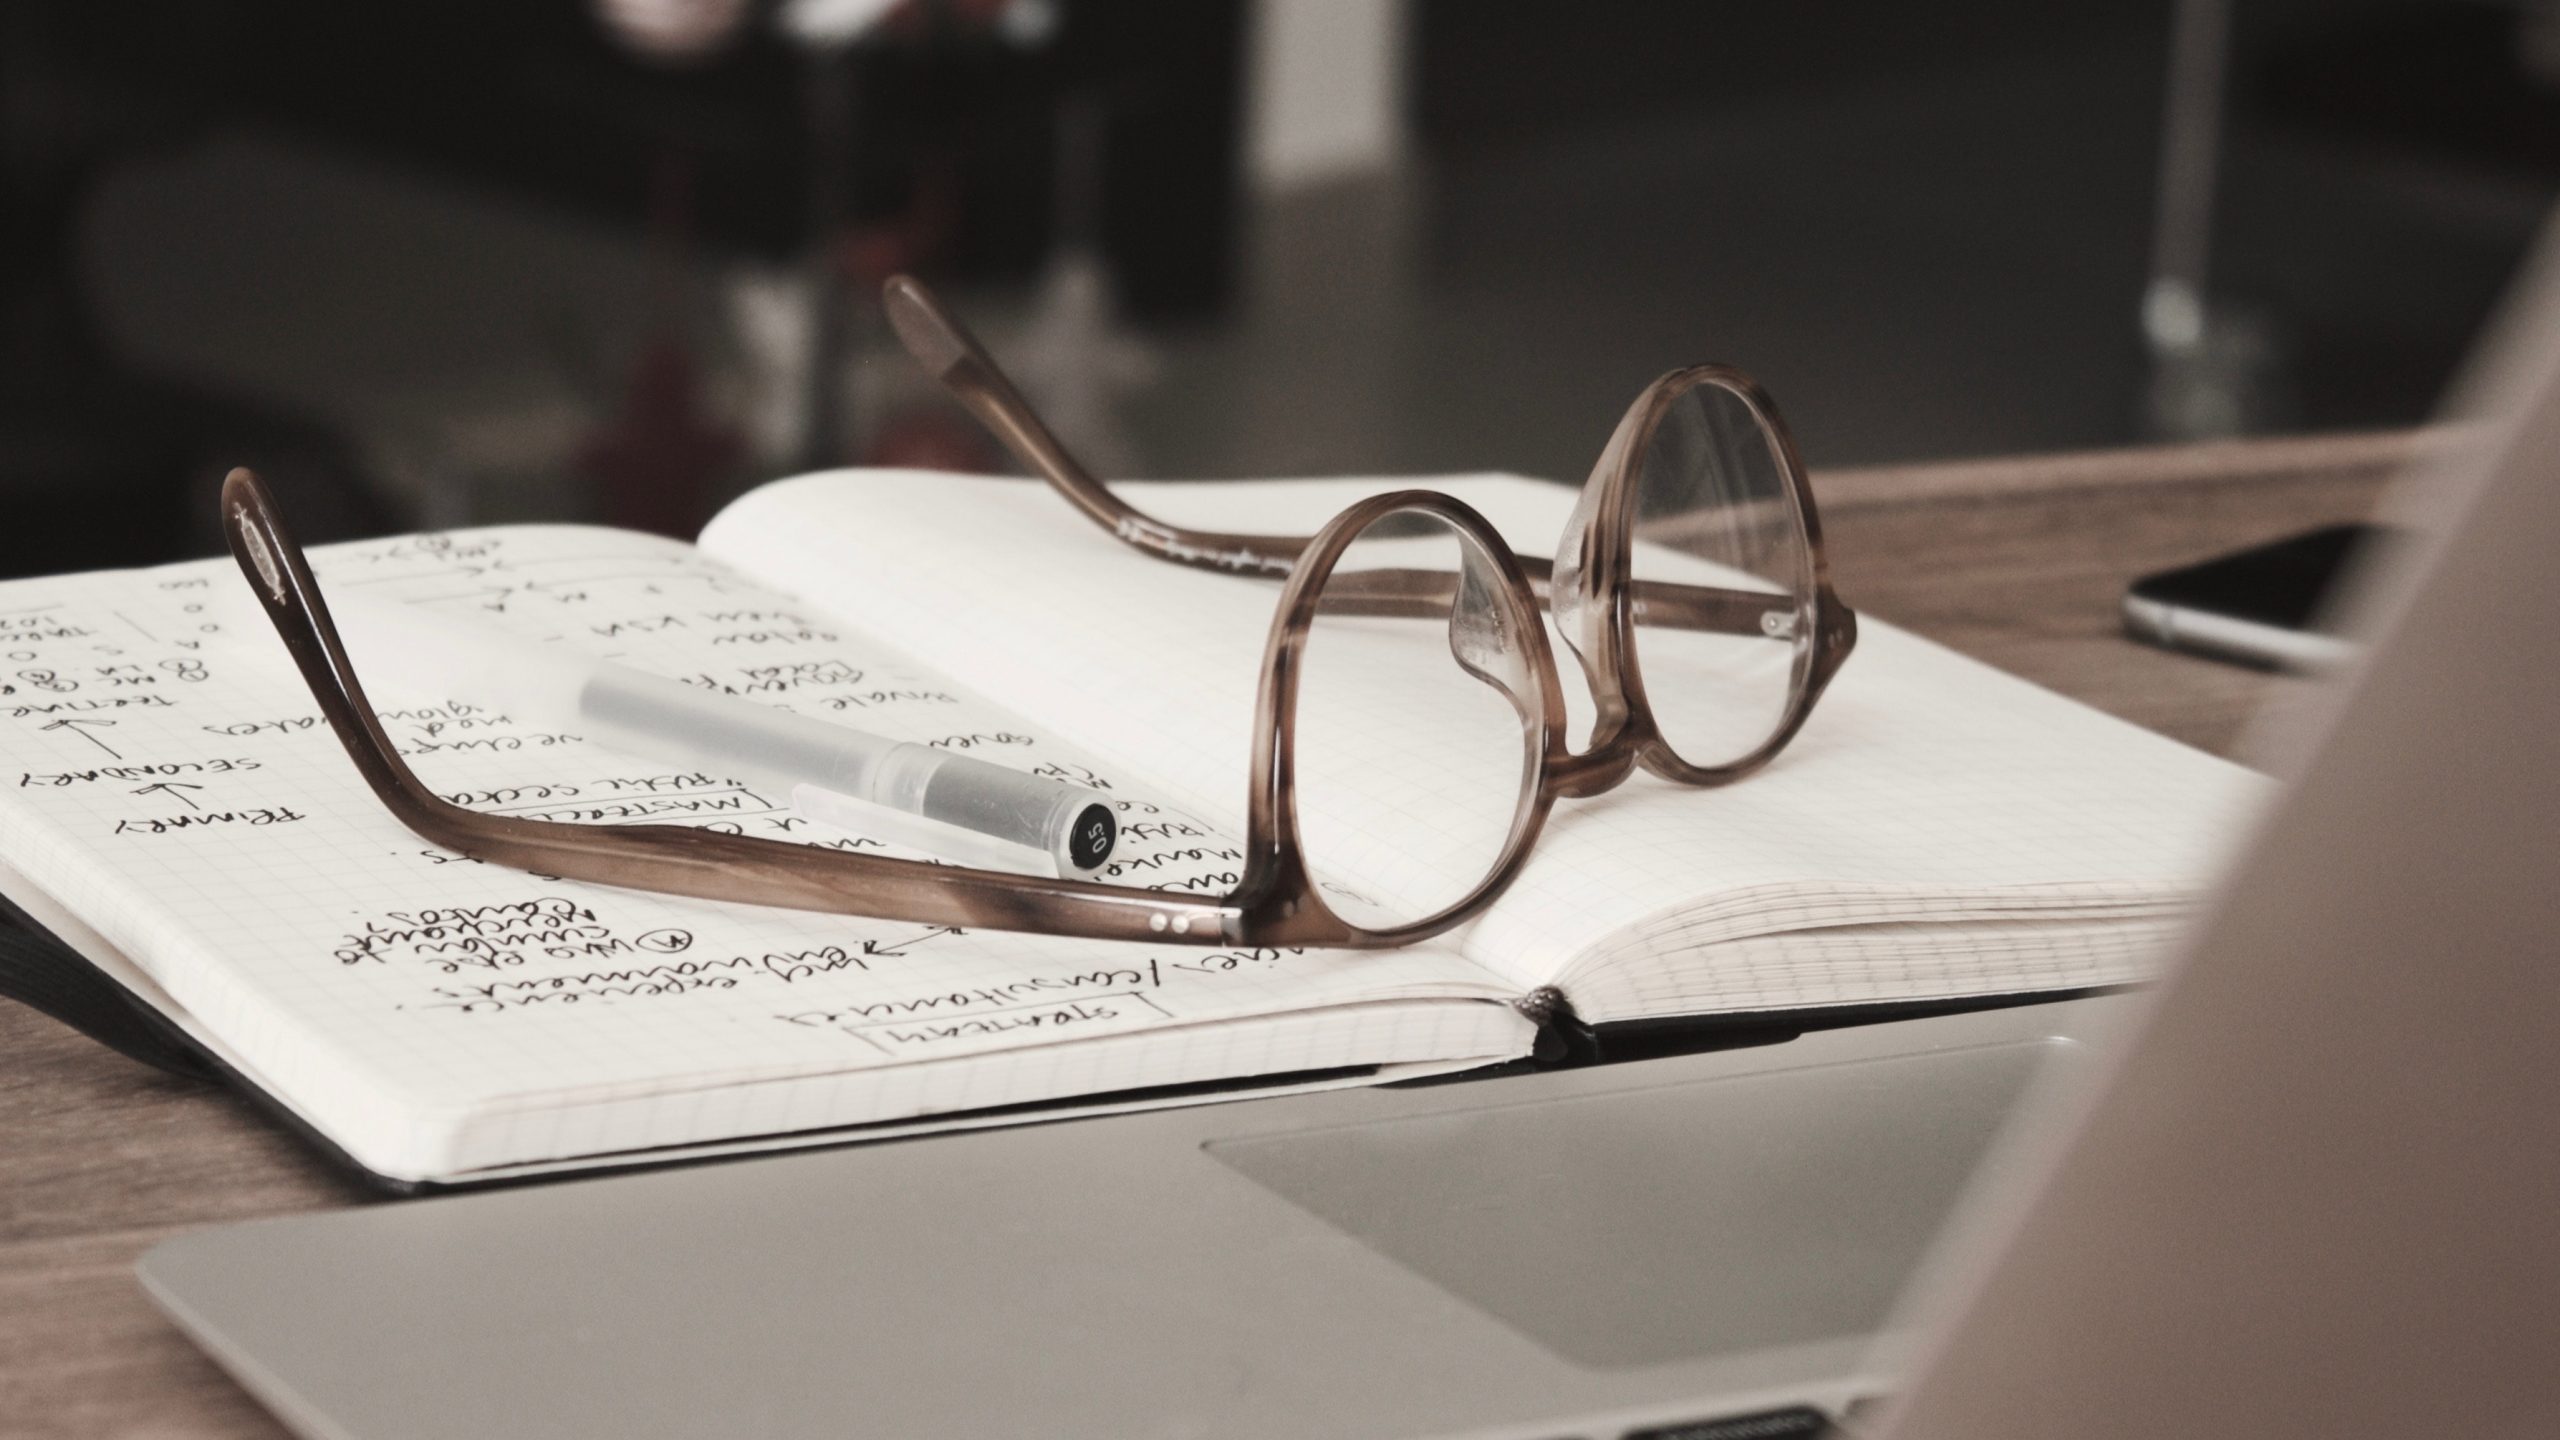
(1594, 772)
(1584, 572)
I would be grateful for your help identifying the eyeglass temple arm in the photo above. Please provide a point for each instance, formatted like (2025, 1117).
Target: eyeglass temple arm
(1424, 593)
(676, 860)
(944, 346)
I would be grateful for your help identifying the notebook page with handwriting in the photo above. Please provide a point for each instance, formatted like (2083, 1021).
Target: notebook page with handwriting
(167, 779)
(1926, 788)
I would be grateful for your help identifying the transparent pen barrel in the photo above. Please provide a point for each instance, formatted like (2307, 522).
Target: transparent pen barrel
(650, 715)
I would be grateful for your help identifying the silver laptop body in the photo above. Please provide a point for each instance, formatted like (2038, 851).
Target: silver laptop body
(2319, 1194)
(1651, 1243)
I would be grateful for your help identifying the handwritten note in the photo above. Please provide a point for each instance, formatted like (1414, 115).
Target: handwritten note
(166, 775)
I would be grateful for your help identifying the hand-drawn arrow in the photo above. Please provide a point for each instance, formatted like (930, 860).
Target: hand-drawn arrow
(171, 788)
(80, 728)
(898, 948)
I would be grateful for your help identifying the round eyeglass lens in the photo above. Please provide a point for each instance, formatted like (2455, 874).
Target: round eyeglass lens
(1412, 754)
(1723, 574)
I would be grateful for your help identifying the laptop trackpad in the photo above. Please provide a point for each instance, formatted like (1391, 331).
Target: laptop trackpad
(1668, 1223)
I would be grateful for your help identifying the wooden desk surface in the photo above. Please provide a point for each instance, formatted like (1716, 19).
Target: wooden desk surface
(2019, 562)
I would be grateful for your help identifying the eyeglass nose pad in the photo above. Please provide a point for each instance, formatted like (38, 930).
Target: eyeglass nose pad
(1564, 594)
(1566, 603)
(1480, 632)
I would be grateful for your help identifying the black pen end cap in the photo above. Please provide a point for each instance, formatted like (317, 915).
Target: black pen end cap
(1089, 844)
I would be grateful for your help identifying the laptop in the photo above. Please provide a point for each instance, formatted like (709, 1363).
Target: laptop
(2310, 1194)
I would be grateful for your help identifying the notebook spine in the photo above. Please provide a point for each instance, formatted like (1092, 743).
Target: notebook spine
(1562, 1037)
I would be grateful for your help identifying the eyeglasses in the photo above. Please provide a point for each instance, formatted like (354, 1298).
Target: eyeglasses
(1410, 726)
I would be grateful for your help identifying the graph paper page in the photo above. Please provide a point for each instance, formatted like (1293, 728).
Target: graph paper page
(165, 776)
(1926, 788)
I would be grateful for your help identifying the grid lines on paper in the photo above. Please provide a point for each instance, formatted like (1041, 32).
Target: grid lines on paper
(393, 992)
(1923, 776)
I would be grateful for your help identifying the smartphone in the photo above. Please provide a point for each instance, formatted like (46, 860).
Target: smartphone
(2260, 606)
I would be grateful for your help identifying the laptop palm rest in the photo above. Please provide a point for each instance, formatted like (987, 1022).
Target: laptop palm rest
(1437, 1261)
(1739, 1213)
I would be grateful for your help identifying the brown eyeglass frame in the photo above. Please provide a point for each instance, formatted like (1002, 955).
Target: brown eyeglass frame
(1600, 598)
(1277, 902)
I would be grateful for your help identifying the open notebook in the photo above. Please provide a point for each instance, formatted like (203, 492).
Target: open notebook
(176, 810)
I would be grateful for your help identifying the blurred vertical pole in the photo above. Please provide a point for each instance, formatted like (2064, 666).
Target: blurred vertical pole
(1328, 89)
(826, 427)
(1334, 230)
(2190, 153)
(826, 32)
(2209, 370)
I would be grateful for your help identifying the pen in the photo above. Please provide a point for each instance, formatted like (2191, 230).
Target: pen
(823, 766)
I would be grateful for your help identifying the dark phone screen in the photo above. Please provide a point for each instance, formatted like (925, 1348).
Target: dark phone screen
(2280, 583)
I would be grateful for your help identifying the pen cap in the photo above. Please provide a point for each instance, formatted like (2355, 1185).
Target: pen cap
(944, 842)
(1075, 826)
(651, 715)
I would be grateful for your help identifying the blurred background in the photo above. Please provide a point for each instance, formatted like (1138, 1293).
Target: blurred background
(616, 260)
